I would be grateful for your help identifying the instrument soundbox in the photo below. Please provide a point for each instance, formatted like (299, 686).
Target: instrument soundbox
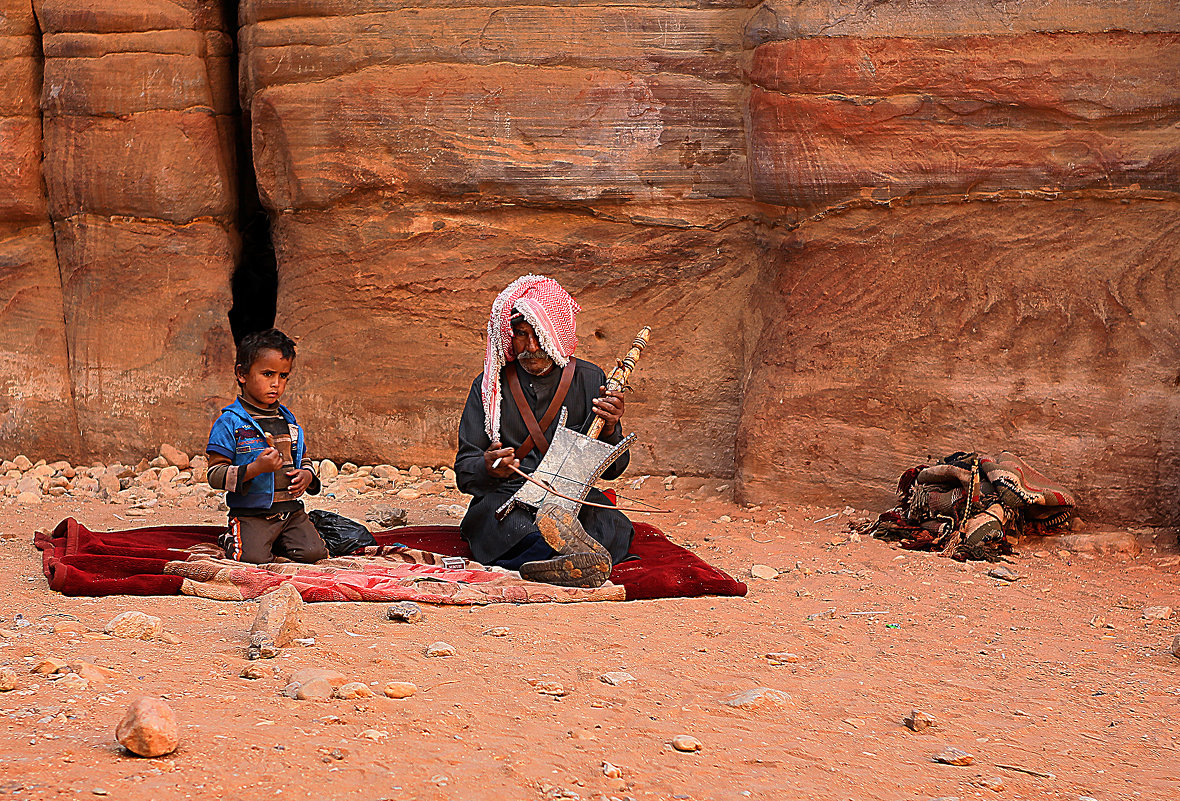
(575, 461)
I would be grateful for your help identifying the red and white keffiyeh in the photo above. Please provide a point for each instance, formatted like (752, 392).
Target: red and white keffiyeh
(551, 312)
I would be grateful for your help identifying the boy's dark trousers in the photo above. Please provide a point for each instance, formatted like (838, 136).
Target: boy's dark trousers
(260, 538)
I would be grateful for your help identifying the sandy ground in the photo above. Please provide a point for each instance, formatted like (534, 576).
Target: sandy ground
(1014, 674)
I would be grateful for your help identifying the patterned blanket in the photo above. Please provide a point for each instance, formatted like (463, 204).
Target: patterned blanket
(967, 504)
(414, 562)
(377, 574)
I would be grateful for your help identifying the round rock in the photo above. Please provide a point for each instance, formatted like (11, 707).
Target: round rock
(149, 728)
(354, 690)
(917, 721)
(314, 690)
(405, 612)
(253, 672)
(441, 649)
(134, 625)
(400, 689)
(7, 680)
(954, 756)
(757, 699)
(686, 743)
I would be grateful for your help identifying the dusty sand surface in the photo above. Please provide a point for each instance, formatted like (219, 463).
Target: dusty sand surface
(1013, 673)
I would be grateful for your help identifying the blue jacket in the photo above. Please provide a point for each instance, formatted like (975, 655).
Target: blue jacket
(236, 436)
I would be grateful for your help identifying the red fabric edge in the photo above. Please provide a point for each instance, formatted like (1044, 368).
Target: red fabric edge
(77, 561)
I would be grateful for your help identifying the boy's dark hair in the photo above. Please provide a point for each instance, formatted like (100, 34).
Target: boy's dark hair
(253, 344)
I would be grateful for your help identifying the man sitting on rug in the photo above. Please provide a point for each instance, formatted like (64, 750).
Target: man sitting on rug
(530, 373)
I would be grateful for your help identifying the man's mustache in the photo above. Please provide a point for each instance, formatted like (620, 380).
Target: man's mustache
(539, 356)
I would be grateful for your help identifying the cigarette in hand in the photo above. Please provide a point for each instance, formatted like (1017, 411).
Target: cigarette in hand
(496, 463)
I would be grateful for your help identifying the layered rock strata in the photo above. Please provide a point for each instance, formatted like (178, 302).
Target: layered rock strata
(865, 233)
(418, 159)
(990, 263)
(36, 410)
(139, 131)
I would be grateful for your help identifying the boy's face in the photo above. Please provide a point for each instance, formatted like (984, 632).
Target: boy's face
(267, 378)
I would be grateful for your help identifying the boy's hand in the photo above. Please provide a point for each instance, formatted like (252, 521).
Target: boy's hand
(269, 461)
(300, 480)
(610, 408)
(507, 457)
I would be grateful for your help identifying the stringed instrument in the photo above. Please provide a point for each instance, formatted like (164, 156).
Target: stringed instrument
(575, 461)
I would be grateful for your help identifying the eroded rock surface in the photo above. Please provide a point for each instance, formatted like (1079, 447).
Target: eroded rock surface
(864, 233)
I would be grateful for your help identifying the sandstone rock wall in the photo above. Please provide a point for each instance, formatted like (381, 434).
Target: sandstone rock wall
(992, 258)
(139, 137)
(864, 232)
(35, 403)
(418, 159)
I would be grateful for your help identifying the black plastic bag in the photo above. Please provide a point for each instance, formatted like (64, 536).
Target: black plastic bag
(342, 535)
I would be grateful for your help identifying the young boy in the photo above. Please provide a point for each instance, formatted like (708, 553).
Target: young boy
(253, 451)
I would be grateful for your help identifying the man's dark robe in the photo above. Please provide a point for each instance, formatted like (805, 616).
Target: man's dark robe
(489, 538)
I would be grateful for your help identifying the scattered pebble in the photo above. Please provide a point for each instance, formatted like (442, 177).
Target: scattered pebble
(92, 673)
(759, 698)
(765, 572)
(314, 690)
(148, 728)
(954, 756)
(375, 735)
(405, 612)
(1176, 646)
(279, 618)
(1004, 573)
(72, 681)
(354, 690)
(253, 672)
(175, 456)
(616, 677)
(387, 516)
(440, 649)
(782, 658)
(498, 631)
(400, 689)
(686, 743)
(134, 625)
(261, 647)
(69, 627)
(7, 680)
(549, 687)
(49, 666)
(1157, 613)
(994, 783)
(611, 771)
(917, 721)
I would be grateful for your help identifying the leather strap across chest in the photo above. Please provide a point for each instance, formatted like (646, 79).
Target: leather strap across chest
(536, 438)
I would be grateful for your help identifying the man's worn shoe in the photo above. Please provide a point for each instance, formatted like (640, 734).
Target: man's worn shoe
(569, 570)
(563, 532)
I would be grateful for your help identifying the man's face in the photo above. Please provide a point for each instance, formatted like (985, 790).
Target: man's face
(528, 349)
(266, 380)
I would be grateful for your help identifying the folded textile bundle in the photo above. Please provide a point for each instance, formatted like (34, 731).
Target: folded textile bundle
(967, 504)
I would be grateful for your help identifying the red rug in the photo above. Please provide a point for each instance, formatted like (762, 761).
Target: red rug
(78, 561)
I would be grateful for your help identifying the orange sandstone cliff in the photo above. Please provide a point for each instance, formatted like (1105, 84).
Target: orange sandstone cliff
(864, 232)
